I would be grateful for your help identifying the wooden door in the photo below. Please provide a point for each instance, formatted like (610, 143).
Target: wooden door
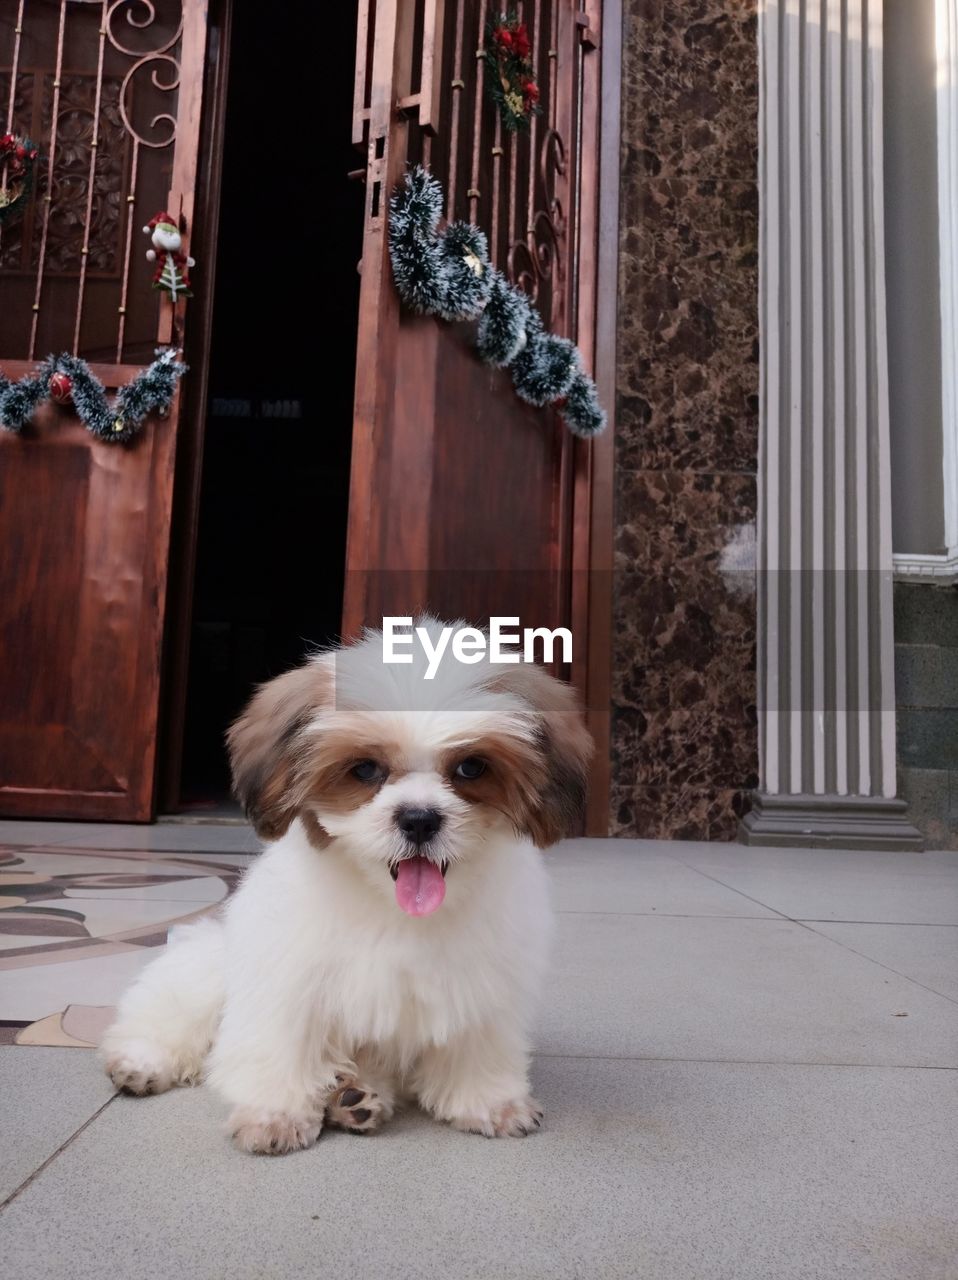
(464, 500)
(111, 92)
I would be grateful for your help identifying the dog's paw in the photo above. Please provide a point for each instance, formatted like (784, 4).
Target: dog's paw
(272, 1133)
(509, 1120)
(352, 1107)
(140, 1067)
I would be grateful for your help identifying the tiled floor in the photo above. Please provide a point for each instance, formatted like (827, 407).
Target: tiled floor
(79, 920)
(749, 1060)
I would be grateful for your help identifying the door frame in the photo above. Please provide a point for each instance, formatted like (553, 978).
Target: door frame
(593, 517)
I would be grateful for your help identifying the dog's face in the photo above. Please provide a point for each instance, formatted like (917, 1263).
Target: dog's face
(411, 779)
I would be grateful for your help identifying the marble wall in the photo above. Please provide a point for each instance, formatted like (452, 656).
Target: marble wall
(926, 685)
(684, 725)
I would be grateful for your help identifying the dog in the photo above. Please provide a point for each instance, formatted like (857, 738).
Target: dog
(390, 942)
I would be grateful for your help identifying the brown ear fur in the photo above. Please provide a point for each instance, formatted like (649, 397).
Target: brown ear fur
(265, 750)
(566, 747)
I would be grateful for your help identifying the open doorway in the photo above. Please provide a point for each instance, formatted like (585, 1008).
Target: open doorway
(273, 505)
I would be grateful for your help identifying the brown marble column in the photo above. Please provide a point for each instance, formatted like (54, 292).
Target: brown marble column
(684, 726)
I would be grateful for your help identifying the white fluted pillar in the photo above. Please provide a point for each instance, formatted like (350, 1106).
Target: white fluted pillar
(826, 656)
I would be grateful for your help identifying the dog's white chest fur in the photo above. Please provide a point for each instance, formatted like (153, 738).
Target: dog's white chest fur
(369, 975)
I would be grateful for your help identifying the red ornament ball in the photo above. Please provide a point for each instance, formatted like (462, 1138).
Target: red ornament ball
(61, 388)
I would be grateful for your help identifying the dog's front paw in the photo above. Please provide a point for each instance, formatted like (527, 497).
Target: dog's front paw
(509, 1120)
(141, 1067)
(272, 1133)
(353, 1107)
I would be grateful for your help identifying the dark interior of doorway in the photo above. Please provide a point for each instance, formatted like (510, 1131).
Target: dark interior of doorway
(273, 505)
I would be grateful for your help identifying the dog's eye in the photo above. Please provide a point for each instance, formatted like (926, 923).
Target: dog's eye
(470, 768)
(367, 771)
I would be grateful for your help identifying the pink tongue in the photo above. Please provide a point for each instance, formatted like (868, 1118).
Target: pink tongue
(420, 887)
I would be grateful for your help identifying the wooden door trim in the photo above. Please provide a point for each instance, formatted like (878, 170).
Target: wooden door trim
(377, 338)
(593, 517)
(192, 433)
(186, 176)
(111, 375)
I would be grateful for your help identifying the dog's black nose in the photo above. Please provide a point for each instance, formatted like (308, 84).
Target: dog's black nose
(419, 825)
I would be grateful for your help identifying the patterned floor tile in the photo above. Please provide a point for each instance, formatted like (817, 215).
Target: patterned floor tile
(77, 925)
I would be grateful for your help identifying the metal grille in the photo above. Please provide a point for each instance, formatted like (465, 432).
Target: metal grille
(95, 83)
(519, 187)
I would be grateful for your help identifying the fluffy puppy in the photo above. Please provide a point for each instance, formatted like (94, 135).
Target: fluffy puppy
(391, 939)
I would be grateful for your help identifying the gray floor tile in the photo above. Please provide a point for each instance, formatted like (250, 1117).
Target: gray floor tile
(198, 837)
(927, 953)
(660, 1170)
(45, 1096)
(240, 860)
(13, 831)
(828, 884)
(634, 877)
(735, 990)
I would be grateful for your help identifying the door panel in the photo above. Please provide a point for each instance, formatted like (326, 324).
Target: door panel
(463, 497)
(464, 522)
(112, 94)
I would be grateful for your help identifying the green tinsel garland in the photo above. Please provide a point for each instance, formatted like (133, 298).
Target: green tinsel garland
(117, 421)
(449, 274)
(446, 275)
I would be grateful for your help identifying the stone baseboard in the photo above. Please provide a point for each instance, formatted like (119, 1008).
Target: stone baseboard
(830, 822)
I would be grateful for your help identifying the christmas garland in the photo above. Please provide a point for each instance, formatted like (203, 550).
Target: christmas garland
(450, 275)
(511, 80)
(18, 158)
(67, 378)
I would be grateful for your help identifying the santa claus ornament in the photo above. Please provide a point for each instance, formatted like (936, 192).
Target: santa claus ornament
(172, 265)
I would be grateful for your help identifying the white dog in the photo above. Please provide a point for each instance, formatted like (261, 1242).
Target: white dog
(350, 969)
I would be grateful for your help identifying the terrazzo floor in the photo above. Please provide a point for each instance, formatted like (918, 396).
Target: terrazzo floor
(748, 1058)
(77, 924)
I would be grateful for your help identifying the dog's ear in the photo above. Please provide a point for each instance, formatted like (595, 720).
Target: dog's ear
(565, 747)
(266, 746)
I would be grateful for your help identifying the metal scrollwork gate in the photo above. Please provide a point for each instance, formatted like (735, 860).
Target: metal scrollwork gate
(99, 86)
(523, 188)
